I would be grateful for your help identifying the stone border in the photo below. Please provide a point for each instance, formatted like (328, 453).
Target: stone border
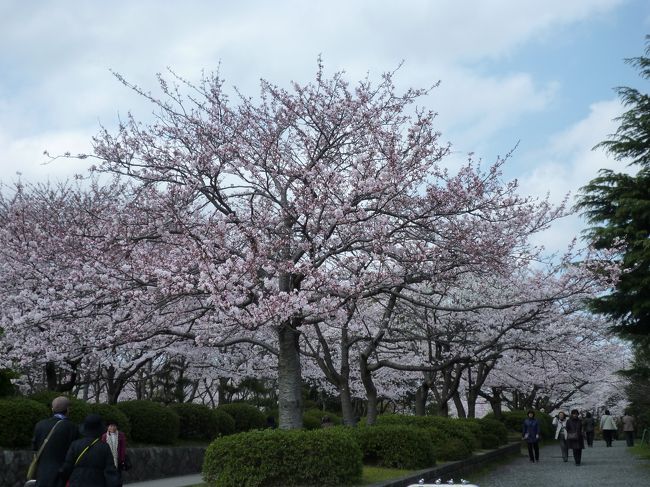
(454, 469)
(149, 463)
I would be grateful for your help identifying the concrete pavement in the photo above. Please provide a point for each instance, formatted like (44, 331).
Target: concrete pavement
(183, 481)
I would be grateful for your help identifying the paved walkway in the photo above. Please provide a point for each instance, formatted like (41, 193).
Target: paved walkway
(184, 481)
(601, 467)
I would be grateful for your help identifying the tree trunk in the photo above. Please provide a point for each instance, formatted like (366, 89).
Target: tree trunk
(289, 378)
(495, 402)
(371, 390)
(421, 395)
(460, 408)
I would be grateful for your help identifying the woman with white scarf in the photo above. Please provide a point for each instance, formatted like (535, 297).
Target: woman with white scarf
(559, 422)
(116, 440)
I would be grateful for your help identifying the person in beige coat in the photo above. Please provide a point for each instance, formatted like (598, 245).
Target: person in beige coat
(628, 428)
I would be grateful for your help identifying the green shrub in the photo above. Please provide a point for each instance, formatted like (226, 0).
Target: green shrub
(108, 413)
(197, 422)
(406, 447)
(246, 417)
(17, 419)
(78, 408)
(151, 422)
(451, 449)
(225, 422)
(440, 428)
(514, 420)
(490, 441)
(312, 418)
(493, 428)
(327, 457)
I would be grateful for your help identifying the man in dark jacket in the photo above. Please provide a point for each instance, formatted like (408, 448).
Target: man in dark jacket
(57, 445)
(89, 461)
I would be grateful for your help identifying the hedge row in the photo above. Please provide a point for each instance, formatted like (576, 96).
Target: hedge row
(453, 439)
(513, 421)
(327, 457)
(334, 456)
(142, 421)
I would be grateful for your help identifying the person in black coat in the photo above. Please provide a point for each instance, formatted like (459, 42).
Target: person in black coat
(575, 441)
(54, 451)
(89, 461)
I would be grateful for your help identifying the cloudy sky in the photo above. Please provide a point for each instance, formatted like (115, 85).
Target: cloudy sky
(536, 74)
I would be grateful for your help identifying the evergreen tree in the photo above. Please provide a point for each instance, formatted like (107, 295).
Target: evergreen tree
(618, 207)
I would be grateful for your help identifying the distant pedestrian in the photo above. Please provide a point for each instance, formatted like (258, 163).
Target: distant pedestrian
(575, 441)
(628, 428)
(326, 422)
(589, 426)
(559, 422)
(89, 461)
(608, 426)
(60, 432)
(270, 422)
(530, 433)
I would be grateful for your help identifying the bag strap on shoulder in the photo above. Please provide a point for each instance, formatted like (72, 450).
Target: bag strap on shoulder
(47, 438)
(85, 450)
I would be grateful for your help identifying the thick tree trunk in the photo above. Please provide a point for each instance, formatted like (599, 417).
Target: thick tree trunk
(460, 408)
(472, 397)
(289, 378)
(347, 408)
(495, 402)
(421, 395)
(371, 390)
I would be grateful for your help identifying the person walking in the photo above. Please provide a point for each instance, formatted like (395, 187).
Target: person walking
(608, 426)
(89, 461)
(559, 422)
(589, 426)
(59, 432)
(530, 433)
(628, 428)
(575, 440)
(116, 440)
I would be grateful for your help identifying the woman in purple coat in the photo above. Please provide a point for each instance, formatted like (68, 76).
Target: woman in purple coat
(530, 433)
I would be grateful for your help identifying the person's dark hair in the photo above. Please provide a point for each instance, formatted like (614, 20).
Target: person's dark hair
(574, 411)
(588, 414)
(607, 411)
(530, 411)
(93, 426)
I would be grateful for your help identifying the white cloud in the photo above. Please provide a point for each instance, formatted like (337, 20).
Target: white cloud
(567, 164)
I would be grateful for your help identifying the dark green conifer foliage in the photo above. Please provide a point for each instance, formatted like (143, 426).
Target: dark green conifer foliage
(617, 205)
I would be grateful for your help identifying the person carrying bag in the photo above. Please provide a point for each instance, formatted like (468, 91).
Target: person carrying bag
(33, 466)
(89, 462)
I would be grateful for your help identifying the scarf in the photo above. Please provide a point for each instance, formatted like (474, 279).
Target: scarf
(111, 439)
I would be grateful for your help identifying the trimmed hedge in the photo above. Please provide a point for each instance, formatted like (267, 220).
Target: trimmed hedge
(514, 420)
(311, 418)
(246, 417)
(151, 422)
(327, 457)
(442, 431)
(225, 422)
(78, 408)
(490, 429)
(112, 413)
(406, 447)
(197, 421)
(17, 420)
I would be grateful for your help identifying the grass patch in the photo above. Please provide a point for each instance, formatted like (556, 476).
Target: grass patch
(372, 475)
(642, 451)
